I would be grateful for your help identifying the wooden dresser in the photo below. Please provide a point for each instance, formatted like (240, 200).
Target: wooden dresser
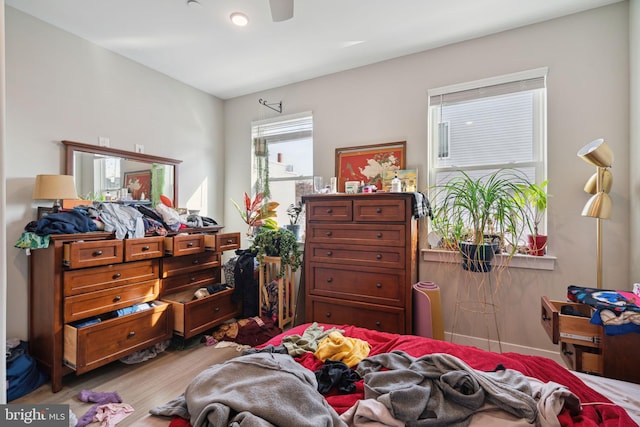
(585, 347)
(81, 289)
(360, 260)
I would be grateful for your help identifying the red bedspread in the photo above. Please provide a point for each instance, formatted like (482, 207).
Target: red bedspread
(533, 366)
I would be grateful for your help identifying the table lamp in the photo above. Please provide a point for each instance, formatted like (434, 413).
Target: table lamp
(56, 188)
(599, 206)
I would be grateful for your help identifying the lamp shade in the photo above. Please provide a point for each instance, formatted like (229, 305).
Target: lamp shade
(592, 184)
(597, 153)
(598, 206)
(54, 187)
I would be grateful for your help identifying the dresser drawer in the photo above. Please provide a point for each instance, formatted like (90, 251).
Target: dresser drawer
(357, 234)
(374, 285)
(366, 256)
(109, 276)
(92, 253)
(96, 345)
(199, 279)
(184, 244)
(576, 329)
(330, 210)
(227, 242)
(194, 316)
(94, 303)
(581, 358)
(340, 312)
(379, 209)
(172, 266)
(144, 248)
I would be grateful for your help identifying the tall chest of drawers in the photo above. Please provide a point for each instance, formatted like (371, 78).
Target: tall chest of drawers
(360, 260)
(81, 289)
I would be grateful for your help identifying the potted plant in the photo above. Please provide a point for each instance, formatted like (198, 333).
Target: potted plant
(294, 212)
(257, 212)
(278, 242)
(469, 212)
(533, 198)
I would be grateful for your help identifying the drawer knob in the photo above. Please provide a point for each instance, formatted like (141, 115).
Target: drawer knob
(379, 256)
(378, 324)
(329, 253)
(329, 279)
(545, 318)
(378, 210)
(217, 309)
(229, 241)
(329, 211)
(379, 235)
(117, 298)
(190, 244)
(329, 234)
(379, 285)
(196, 261)
(145, 248)
(97, 253)
(327, 314)
(131, 334)
(567, 353)
(116, 276)
(192, 279)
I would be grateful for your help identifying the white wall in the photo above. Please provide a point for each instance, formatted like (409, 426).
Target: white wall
(634, 142)
(588, 97)
(60, 87)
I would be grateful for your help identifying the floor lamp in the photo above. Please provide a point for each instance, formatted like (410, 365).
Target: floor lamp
(599, 206)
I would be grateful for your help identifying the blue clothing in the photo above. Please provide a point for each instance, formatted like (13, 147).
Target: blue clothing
(67, 222)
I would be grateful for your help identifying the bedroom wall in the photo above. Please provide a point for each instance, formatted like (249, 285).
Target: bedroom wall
(588, 97)
(59, 87)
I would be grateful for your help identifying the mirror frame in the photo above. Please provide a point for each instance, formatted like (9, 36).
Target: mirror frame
(71, 147)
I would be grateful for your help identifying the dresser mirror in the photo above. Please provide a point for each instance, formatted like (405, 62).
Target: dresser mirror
(109, 174)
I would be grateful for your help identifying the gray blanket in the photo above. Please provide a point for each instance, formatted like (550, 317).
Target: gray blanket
(442, 390)
(255, 390)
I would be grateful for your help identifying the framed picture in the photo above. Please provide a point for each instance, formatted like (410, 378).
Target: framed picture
(409, 178)
(139, 184)
(43, 211)
(369, 162)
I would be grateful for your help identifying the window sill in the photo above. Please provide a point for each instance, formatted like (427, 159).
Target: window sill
(545, 262)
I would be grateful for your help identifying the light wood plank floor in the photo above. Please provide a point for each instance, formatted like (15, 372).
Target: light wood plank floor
(143, 386)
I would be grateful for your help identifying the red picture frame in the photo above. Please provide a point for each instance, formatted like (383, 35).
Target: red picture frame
(139, 184)
(367, 163)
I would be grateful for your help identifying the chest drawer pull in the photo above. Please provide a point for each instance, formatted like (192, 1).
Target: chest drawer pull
(117, 298)
(329, 253)
(192, 279)
(145, 248)
(379, 256)
(379, 210)
(328, 233)
(196, 261)
(190, 244)
(379, 285)
(116, 276)
(379, 235)
(329, 279)
(327, 314)
(131, 334)
(217, 309)
(329, 211)
(378, 324)
(97, 253)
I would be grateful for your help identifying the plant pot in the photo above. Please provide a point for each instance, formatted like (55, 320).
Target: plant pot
(295, 229)
(537, 245)
(477, 258)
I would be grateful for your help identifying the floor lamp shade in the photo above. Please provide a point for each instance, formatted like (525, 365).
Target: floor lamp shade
(54, 187)
(598, 153)
(598, 206)
(607, 182)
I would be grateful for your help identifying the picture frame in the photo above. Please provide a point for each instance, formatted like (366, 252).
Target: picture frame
(367, 163)
(44, 211)
(139, 184)
(408, 177)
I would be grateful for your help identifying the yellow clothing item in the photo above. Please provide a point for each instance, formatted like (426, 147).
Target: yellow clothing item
(337, 347)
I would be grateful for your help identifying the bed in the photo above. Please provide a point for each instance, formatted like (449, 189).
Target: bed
(271, 394)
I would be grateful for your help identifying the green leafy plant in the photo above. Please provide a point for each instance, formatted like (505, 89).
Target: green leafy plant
(469, 210)
(533, 197)
(278, 243)
(258, 212)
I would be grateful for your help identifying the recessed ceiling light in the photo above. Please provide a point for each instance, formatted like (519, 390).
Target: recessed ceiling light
(239, 19)
(193, 3)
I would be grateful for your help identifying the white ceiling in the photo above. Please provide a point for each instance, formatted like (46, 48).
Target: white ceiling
(198, 45)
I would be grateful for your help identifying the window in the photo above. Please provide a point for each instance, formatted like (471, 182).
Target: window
(284, 169)
(486, 125)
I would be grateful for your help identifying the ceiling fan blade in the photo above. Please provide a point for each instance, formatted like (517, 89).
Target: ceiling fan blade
(281, 10)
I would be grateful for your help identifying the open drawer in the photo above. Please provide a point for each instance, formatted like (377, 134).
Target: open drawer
(193, 316)
(569, 322)
(86, 348)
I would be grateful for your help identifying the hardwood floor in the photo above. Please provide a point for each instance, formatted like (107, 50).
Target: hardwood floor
(143, 386)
